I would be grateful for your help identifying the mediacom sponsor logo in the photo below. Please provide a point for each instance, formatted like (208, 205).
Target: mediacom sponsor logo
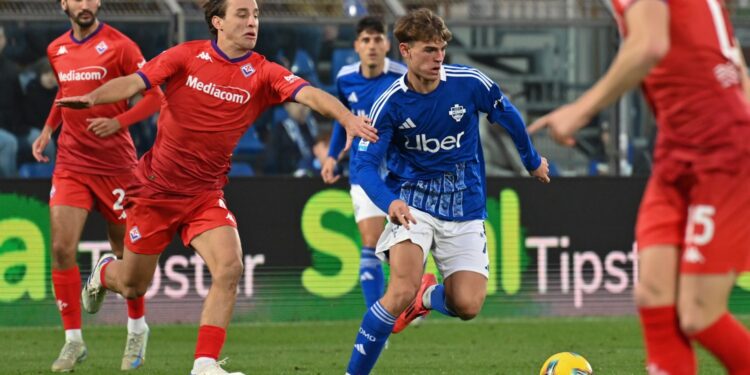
(88, 73)
(226, 93)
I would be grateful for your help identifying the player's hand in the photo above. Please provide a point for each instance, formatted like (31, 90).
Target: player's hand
(359, 126)
(40, 143)
(562, 124)
(103, 127)
(542, 172)
(75, 102)
(400, 215)
(327, 171)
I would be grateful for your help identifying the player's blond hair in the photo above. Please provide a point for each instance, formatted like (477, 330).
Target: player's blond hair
(421, 25)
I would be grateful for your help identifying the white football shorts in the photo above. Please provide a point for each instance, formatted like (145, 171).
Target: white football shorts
(455, 245)
(363, 206)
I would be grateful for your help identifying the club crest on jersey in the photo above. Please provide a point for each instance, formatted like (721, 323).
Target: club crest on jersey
(457, 112)
(248, 70)
(61, 51)
(135, 235)
(101, 47)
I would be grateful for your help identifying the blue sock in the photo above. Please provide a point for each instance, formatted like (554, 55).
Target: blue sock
(373, 333)
(370, 276)
(437, 301)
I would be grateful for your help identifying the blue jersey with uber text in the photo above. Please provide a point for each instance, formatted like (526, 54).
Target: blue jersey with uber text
(358, 93)
(431, 144)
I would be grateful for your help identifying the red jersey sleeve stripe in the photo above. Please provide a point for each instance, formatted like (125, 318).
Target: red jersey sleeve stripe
(145, 79)
(294, 94)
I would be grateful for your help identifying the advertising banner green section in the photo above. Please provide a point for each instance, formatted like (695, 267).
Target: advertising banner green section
(560, 249)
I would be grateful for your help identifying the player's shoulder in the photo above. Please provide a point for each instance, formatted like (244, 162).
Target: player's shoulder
(58, 42)
(466, 75)
(388, 97)
(395, 67)
(349, 70)
(115, 35)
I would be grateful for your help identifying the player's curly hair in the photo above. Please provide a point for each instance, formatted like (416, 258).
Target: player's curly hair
(213, 8)
(421, 25)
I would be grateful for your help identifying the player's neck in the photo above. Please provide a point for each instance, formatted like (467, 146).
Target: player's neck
(421, 85)
(372, 71)
(80, 33)
(231, 50)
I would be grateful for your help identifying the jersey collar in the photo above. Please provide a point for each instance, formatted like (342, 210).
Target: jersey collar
(404, 87)
(224, 55)
(76, 41)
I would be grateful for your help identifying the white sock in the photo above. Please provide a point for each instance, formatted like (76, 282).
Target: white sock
(201, 362)
(137, 326)
(73, 335)
(427, 297)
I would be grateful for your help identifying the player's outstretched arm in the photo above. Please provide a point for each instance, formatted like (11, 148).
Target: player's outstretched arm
(327, 105)
(113, 91)
(646, 44)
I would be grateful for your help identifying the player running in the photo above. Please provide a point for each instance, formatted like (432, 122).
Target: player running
(214, 91)
(692, 224)
(95, 163)
(434, 193)
(358, 85)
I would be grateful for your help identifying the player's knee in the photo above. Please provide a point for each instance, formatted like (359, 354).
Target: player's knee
(133, 290)
(466, 309)
(651, 294)
(63, 255)
(369, 240)
(694, 316)
(228, 275)
(402, 294)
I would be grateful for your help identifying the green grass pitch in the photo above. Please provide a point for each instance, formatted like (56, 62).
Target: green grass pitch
(438, 346)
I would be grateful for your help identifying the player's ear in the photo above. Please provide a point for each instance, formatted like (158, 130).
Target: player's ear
(217, 22)
(404, 49)
(64, 5)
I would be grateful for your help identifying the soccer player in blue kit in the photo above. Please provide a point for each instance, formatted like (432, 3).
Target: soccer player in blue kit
(358, 85)
(434, 192)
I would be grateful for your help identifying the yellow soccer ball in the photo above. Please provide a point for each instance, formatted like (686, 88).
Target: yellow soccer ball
(566, 363)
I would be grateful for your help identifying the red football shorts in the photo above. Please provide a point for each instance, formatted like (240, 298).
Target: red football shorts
(154, 219)
(705, 214)
(88, 191)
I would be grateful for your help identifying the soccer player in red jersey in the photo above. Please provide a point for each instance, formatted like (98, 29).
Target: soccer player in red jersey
(214, 91)
(692, 224)
(95, 162)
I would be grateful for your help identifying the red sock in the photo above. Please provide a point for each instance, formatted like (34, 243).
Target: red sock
(67, 284)
(729, 341)
(101, 274)
(667, 348)
(210, 341)
(136, 308)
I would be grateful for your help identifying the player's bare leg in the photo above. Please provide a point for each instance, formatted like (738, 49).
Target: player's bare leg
(66, 225)
(220, 248)
(370, 229)
(704, 316)
(137, 341)
(406, 260)
(667, 348)
(464, 293)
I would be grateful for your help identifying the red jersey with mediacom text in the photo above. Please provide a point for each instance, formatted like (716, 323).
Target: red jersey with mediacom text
(211, 100)
(80, 67)
(695, 91)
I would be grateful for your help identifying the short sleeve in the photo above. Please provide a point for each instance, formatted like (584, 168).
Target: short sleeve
(160, 68)
(283, 85)
(131, 59)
